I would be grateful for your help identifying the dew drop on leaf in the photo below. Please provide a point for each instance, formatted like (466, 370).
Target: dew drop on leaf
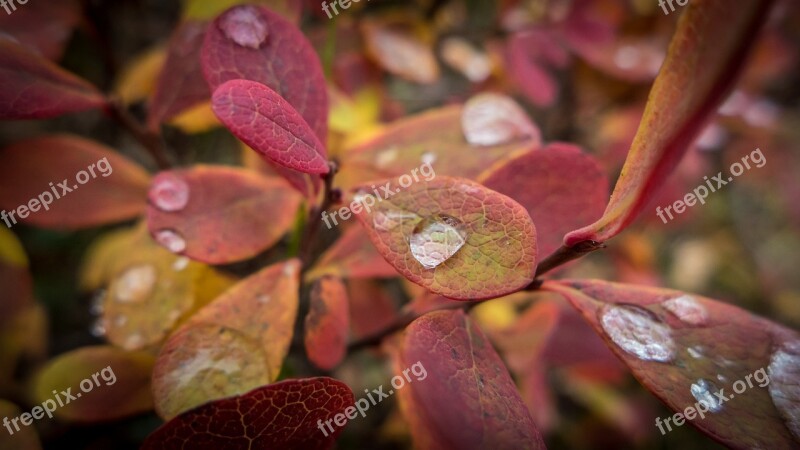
(180, 264)
(436, 239)
(169, 192)
(703, 391)
(687, 309)
(171, 240)
(492, 119)
(637, 332)
(695, 352)
(135, 284)
(245, 26)
(784, 371)
(389, 219)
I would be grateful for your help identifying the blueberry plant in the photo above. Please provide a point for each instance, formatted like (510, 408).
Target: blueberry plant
(374, 196)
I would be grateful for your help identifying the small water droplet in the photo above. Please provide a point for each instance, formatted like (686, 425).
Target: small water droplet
(436, 239)
(688, 309)
(695, 352)
(784, 371)
(244, 25)
(627, 57)
(96, 307)
(133, 342)
(703, 391)
(135, 284)
(493, 119)
(428, 158)
(386, 157)
(637, 332)
(180, 264)
(722, 378)
(169, 192)
(171, 240)
(98, 328)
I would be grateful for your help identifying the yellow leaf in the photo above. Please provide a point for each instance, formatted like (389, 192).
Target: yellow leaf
(138, 79)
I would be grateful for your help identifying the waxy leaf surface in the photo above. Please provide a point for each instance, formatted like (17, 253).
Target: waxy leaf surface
(217, 214)
(689, 350)
(268, 124)
(704, 61)
(58, 170)
(282, 415)
(454, 237)
(253, 43)
(468, 399)
(35, 88)
(236, 343)
(327, 323)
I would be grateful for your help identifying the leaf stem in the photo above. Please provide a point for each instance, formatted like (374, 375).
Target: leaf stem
(314, 220)
(150, 140)
(563, 255)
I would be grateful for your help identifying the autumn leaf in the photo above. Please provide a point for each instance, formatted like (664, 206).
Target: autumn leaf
(201, 9)
(35, 88)
(215, 214)
(137, 80)
(99, 185)
(17, 292)
(43, 26)
(351, 256)
(463, 372)
(453, 237)
(495, 119)
(246, 41)
(691, 351)
(120, 384)
(704, 61)
(371, 307)
(327, 323)
(236, 343)
(268, 124)
(283, 415)
(400, 52)
(23, 439)
(530, 57)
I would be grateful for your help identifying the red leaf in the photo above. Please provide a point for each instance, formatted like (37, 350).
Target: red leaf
(704, 61)
(253, 43)
(181, 84)
(327, 323)
(34, 169)
(352, 256)
(216, 214)
(684, 348)
(559, 185)
(35, 88)
(467, 400)
(267, 123)
(45, 26)
(371, 307)
(283, 415)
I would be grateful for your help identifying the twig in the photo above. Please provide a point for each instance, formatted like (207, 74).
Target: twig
(313, 222)
(564, 255)
(150, 141)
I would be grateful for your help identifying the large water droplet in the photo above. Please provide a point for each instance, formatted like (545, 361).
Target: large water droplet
(245, 25)
(169, 192)
(688, 309)
(436, 239)
(171, 240)
(784, 371)
(703, 391)
(135, 284)
(494, 119)
(637, 332)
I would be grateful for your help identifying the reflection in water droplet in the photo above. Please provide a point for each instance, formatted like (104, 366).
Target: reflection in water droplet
(436, 239)
(688, 309)
(784, 371)
(489, 119)
(637, 332)
(98, 328)
(703, 391)
(695, 352)
(722, 378)
(180, 264)
(135, 284)
(171, 240)
(96, 307)
(388, 220)
(169, 192)
(244, 25)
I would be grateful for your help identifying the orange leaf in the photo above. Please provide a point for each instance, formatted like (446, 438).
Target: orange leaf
(327, 323)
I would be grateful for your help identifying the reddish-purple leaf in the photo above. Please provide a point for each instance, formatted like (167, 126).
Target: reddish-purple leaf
(283, 415)
(253, 43)
(688, 350)
(352, 256)
(181, 84)
(704, 61)
(35, 88)
(45, 26)
(327, 323)
(529, 56)
(467, 399)
(559, 185)
(267, 123)
(83, 183)
(217, 214)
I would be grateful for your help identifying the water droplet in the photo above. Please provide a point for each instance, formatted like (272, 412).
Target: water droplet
(695, 352)
(428, 158)
(171, 240)
(688, 309)
(494, 119)
(627, 57)
(703, 391)
(96, 307)
(722, 378)
(98, 328)
(169, 192)
(388, 220)
(134, 341)
(244, 25)
(180, 264)
(637, 332)
(784, 371)
(135, 284)
(386, 158)
(290, 269)
(436, 239)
